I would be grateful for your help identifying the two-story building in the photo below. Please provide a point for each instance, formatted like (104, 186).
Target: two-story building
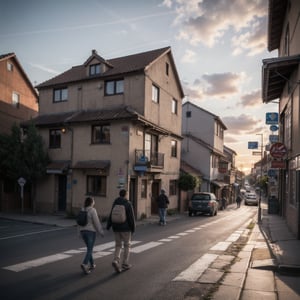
(18, 102)
(111, 124)
(281, 80)
(202, 146)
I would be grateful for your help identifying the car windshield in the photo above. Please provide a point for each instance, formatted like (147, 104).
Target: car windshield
(201, 197)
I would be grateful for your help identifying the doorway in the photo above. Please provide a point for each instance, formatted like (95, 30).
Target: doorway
(154, 194)
(62, 192)
(132, 195)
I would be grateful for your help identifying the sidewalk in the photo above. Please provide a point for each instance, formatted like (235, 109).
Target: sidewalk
(268, 267)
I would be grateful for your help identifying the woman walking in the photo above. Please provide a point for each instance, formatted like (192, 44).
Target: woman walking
(88, 234)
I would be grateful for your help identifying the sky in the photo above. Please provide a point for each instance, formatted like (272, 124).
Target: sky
(218, 47)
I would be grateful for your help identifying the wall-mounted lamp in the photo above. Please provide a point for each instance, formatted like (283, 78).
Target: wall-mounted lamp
(63, 130)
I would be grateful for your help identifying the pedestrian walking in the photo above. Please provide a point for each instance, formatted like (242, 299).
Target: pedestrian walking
(238, 201)
(122, 221)
(162, 202)
(224, 203)
(88, 234)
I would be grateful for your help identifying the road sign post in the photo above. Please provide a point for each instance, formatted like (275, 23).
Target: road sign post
(21, 182)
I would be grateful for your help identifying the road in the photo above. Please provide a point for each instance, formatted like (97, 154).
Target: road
(43, 262)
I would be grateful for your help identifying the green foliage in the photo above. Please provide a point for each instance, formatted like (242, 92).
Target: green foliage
(187, 182)
(22, 158)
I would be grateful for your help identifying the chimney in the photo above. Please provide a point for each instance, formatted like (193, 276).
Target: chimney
(94, 51)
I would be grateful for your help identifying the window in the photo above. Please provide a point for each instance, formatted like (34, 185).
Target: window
(188, 114)
(15, 99)
(60, 95)
(95, 69)
(113, 87)
(173, 148)
(96, 185)
(155, 94)
(10, 67)
(219, 130)
(144, 189)
(54, 138)
(174, 106)
(100, 134)
(173, 187)
(167, 69)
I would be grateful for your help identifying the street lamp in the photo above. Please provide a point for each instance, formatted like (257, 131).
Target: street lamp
(261, 173)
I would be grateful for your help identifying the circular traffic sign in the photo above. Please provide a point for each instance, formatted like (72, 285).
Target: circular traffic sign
(273, 127)
(278, 150)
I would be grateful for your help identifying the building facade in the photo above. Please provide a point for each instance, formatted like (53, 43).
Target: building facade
(281, 80)
(203, 146)
(111, 124)
(18, 98)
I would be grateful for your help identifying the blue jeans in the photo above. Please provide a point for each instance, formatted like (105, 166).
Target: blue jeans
(162, 215)
(89, 238)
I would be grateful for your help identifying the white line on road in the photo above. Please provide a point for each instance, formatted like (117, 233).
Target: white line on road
(30, 233)
(197, 268)
(37, 262)
(144, 247)
(221, 246)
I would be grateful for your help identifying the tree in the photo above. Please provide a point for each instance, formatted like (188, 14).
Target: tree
(25, 158)
(187, 182)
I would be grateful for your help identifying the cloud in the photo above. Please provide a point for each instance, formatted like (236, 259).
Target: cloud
(221, 85)
(207, 22)
(251, 99)
(242, 124)
(189, 56)
(44, 68)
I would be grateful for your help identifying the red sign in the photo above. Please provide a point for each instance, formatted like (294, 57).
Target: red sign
(278, 164)
(278, 150)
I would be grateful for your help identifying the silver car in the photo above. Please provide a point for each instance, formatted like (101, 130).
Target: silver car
(251, 198)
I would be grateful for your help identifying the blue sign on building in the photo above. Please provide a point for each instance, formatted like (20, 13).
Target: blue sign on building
(272, 118)
(252, 145)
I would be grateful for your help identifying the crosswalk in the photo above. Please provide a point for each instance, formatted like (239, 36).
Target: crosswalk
(190, 274)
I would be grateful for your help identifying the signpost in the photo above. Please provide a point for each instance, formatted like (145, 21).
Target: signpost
(21, 182)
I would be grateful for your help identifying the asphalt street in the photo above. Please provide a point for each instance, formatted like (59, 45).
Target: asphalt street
(43, 262)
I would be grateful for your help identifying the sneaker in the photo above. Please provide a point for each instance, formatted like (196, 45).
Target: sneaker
(116, 266)
(126, 266)
(92, 267)
(85, 269)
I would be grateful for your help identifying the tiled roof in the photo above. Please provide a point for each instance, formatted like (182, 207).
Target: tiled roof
(7, 55)
(83, 116)
(122, 65)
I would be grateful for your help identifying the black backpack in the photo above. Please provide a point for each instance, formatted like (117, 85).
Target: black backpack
(82, 218)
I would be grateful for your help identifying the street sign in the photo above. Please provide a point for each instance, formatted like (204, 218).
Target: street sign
(278, 164)
(256, 153)
(272, 118)
(252, 145)
(273, 138)
(274, 128)
(278, 150)
(272, 172)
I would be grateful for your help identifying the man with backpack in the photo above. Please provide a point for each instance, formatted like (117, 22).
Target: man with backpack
(122, 221)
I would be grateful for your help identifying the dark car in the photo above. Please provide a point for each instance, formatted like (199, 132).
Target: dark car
(205, 203)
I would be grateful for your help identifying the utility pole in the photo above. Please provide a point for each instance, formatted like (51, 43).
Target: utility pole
(261, 174)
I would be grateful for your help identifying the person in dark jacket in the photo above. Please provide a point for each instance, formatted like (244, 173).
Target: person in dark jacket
(162, 202)
(122, 232)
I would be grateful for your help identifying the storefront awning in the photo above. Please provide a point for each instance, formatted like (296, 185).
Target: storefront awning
(92, 164)
(219, 184)
(275, 74)
(58, 167)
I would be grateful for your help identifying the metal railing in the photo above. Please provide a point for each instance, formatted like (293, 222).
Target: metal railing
(151, 159)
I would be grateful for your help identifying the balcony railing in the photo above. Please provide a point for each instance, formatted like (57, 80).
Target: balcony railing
(148, 158)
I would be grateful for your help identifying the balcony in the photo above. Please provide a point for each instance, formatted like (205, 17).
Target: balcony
(147, 161)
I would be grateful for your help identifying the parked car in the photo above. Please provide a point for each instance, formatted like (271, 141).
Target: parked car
(205, 203)
(251, 198)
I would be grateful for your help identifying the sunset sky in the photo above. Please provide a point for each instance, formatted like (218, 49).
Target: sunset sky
(218, 47)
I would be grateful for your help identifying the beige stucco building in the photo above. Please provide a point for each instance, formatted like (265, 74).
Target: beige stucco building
(111, 124)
